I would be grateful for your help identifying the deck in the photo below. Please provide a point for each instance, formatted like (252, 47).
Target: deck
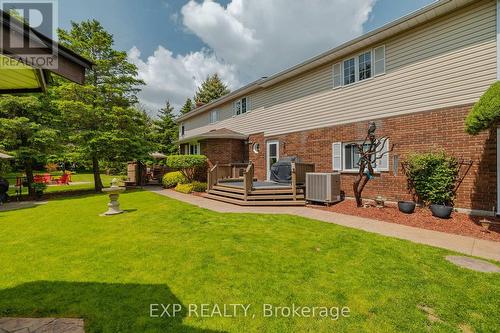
(246, 191)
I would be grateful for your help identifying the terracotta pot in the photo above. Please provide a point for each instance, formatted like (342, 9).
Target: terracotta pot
(407, 207)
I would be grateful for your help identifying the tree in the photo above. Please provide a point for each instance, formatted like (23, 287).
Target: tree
(211, 89)
(100, 116)
(486, 112)
(165, 131)
(187, 107)
(370, 151)
(27, 130)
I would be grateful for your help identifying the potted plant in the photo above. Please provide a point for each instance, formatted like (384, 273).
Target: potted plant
(407, 207)
(39, 188)
(433, 177)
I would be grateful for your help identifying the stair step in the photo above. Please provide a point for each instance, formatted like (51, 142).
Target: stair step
(227, 194)
(255, 203)
(256, 197)
(228, 189)
(275, 197)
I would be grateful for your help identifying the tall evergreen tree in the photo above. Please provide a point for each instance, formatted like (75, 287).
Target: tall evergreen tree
(100, 116)
(27, 130)
(165, 131)
(211, 89)
(187, 107)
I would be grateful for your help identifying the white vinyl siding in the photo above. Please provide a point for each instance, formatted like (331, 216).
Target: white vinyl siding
(444, 63)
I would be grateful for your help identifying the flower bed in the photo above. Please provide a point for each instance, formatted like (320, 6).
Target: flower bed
(459, 224)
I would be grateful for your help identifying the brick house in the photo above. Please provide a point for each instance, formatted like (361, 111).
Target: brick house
(417, 78)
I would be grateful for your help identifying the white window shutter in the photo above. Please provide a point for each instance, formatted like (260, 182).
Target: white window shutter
(379, 61)
(337, 75)
(337, 156)
(383, 163)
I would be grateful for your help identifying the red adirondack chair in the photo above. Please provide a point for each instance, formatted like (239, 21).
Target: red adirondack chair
(63, 180)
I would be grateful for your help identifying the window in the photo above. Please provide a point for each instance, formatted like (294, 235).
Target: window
(379, 60)
(345, 157)
(362, 67)
(241, 106)
(183, 130)
(349, 71)
(365, 66)
(337, 75)
(214, 116)
(193, 149)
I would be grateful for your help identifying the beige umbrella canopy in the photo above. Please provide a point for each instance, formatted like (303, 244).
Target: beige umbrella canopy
(5, 156)
(158, 156)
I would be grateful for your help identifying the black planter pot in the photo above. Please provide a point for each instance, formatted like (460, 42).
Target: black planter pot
(407, 207)
(441, 211)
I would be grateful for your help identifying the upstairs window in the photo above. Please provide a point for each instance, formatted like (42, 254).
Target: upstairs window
(365, 66)
(241, 106)
(182, 130)
(349, 71)
(362, 67)
(214, 116)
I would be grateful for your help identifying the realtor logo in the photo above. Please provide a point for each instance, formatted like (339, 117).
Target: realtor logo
(33, 28)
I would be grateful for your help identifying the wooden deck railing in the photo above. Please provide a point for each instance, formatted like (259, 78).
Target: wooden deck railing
(224, 171)
(299, 171)
(248, 180)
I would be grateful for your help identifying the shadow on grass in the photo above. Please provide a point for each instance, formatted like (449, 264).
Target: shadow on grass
(105, 307)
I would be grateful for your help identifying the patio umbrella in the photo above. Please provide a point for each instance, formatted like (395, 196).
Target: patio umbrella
(158, 156)
(5, 156)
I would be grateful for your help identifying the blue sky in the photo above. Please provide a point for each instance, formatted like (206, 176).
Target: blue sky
(176, 44)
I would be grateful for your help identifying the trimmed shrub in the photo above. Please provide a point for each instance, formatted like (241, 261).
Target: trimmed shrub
(486, 112)
(171, 179)
(184, 188)
(189, 165)
(199, 187)
(433, 176)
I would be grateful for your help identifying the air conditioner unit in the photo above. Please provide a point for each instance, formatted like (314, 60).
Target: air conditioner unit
(323, 187)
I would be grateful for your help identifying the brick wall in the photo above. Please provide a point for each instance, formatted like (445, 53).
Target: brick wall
(224, 150)
(419, 132)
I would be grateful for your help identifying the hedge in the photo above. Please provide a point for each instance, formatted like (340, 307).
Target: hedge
(433, 176)
(486, 112)
(189, 165)
(171, 179)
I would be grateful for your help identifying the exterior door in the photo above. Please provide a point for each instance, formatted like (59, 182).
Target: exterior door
(273, 155)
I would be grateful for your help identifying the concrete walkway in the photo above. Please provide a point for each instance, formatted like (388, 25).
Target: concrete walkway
(462, 244)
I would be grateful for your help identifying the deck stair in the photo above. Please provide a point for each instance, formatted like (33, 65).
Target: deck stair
(257, 196)
(245, 191)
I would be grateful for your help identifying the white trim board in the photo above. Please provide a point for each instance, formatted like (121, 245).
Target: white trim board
(498, 39)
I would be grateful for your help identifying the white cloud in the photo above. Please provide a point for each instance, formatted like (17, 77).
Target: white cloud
(176, 77)
(262, 37)
(248, 39)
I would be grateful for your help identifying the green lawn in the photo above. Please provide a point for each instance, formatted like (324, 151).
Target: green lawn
(88, 178)
(61, 259)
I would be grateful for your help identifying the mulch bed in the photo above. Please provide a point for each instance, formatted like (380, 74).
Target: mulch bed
(459, 224)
